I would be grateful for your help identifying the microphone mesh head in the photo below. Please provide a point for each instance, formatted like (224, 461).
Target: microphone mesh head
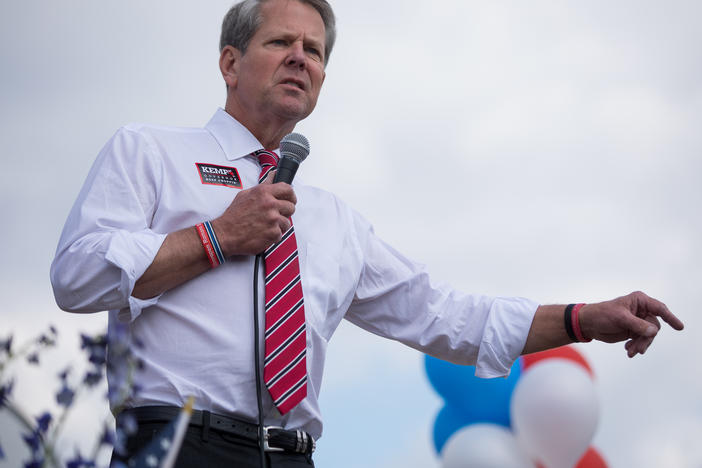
(294, 146)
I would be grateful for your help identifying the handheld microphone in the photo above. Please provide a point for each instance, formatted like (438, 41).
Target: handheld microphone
(294, 148)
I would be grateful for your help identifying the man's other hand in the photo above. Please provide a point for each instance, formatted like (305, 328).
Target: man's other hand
(633, 317)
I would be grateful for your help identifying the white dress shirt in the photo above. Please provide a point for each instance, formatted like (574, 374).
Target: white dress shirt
(198, 337)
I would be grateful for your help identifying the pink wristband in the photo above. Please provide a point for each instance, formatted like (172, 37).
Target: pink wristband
(576, 324)
(209, 248)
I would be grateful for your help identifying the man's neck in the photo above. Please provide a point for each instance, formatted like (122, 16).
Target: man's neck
(268, 132)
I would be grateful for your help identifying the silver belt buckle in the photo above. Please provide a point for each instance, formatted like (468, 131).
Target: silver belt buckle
(267, 447)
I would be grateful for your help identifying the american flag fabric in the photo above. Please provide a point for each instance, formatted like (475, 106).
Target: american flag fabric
(163, 449)
(285, 363)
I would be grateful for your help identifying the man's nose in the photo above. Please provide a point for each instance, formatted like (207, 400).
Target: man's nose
(296, 56)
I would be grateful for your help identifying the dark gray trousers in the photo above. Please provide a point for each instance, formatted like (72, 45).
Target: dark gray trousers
(214, 449)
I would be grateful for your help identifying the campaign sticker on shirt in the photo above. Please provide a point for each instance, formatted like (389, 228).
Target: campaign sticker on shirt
(219, 175)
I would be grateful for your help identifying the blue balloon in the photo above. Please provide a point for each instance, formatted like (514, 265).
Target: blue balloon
(474, 399)
(448, 421)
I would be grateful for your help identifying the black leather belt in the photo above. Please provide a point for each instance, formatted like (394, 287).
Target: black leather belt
(274, 438)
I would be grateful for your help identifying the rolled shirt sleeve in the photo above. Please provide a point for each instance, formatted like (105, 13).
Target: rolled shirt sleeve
(395, 298)
(107, 244)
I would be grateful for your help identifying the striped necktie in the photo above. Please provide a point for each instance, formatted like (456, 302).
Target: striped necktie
(285, 364)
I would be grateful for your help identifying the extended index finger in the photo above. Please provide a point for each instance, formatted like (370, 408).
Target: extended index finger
(656, 307)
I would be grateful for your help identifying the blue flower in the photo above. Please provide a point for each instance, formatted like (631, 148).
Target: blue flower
(113, 396)
(63, 375)
(6, 345)
(33, 440)
(107, 437)
(65, 396)
(93, 378)
(46, 341)
(79, 462)
(43, 422)
(138, 343)
(33, 358)
(119, 332)
(5, 391)
(96, 347)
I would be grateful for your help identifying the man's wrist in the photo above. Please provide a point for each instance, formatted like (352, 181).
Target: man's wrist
(571, 320)
(210, 243)
(576, 324)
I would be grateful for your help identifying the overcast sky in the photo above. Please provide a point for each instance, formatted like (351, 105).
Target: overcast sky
(547, 149)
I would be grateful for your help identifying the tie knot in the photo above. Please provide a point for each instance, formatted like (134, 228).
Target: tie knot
(267, 158)
(268, 161)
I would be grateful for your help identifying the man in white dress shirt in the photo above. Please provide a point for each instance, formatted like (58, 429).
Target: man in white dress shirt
(131, 246)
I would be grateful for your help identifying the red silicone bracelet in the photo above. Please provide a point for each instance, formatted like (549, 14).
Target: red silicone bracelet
(209, 249)
(576, 324)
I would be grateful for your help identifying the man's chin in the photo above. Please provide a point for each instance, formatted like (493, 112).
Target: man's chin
(293, 111)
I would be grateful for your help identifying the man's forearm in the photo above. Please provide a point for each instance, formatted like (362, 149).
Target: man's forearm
(180, 258)
(547, 329)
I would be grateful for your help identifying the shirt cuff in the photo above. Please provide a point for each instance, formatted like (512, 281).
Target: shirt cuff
(504, 336)
(133, 253)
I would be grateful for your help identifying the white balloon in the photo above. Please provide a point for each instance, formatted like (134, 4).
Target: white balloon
(554, 412)
(484, 446)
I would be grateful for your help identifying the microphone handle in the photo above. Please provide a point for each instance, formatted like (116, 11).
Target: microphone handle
(287, 168)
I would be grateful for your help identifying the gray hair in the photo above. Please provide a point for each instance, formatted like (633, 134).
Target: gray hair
(243, 20)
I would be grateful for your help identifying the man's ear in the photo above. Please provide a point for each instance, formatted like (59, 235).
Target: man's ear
(229, 61)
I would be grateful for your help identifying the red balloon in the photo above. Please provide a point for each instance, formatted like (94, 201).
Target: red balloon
(591, 459)
(563, 352)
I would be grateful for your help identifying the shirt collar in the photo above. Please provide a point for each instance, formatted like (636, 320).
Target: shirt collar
(235, 140)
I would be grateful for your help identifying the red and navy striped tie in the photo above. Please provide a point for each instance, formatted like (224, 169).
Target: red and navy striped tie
(285, 364)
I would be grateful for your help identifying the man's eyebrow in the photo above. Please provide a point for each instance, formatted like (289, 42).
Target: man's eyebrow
(319, 43)
(315, 42)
